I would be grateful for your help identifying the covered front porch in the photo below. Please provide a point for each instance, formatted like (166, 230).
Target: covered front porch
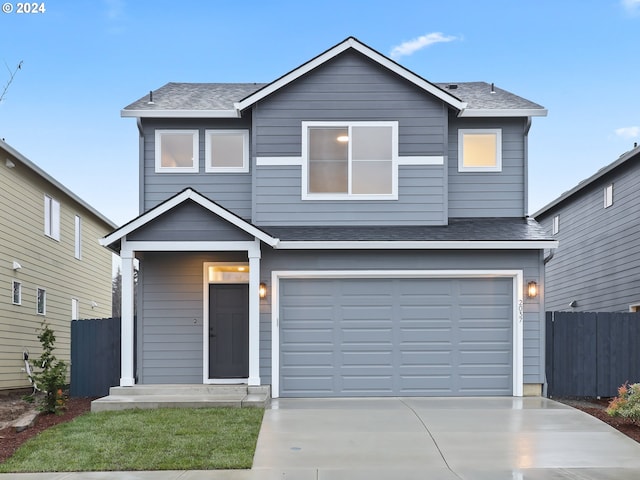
(198, 305)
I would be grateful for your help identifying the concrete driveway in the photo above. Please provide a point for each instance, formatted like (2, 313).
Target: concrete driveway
(439, 438)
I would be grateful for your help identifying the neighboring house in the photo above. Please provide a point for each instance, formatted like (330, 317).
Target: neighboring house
(597, 265)
(52, 267)
(350, 229)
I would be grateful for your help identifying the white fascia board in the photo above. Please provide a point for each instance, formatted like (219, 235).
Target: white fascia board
(503, 112)
(180, 113)
(190, 246)
(418, 245)
(338, 49)
(188, 194)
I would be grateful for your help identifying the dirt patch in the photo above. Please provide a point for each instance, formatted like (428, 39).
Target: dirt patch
(13, 407)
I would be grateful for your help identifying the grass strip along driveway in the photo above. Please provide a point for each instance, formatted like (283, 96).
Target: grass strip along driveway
(162, 439)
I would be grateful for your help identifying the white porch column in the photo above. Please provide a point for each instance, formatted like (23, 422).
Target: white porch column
(127, 378)
(254, 314)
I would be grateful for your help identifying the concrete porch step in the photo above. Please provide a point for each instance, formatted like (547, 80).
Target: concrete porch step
(183, 396)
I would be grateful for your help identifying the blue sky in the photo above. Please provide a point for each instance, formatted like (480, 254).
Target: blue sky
(84, 61)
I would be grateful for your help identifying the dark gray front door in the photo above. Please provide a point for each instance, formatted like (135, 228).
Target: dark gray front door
(228, 330)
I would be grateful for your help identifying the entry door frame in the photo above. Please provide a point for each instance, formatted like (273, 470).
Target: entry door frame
(518, 308)
(205, 326)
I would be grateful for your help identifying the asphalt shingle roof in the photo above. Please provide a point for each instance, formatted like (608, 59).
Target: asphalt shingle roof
(459, 229)
(222, 96)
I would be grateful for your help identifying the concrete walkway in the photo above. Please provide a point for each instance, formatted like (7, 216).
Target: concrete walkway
(417, 438)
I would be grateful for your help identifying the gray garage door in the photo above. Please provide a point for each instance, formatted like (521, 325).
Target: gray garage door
(388, 337)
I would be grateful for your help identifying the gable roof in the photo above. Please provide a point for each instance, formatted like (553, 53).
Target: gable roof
(212, 100)
(624, 159)
(185, 195)
(49, 179)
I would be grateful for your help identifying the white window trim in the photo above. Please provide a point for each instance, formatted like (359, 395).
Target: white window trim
(75, 309)
(497, 132)
(78, 237)
(51, 217)
(13, 284)
(634, 307)
(349, 196)
(608, 195)
(555, 227)
(44, 302)
(195, 168)
(517, 310)
(245, 152)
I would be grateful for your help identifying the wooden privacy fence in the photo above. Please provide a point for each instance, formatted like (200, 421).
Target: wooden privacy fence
(95, 356)
(590, 354)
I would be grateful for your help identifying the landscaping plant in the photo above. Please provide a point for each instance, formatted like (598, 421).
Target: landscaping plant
(49, 374)
(627, 403)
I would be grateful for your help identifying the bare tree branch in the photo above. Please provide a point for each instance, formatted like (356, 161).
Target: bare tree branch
(11, 77)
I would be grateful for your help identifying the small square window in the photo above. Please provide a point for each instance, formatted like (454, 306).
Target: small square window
(608, 196)
(479, 150)
(556, 224)
(227, 151)
(41, 301)
(177, 151)
(16, 295)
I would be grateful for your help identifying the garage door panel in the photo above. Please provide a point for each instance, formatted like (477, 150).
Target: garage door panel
(384, 337)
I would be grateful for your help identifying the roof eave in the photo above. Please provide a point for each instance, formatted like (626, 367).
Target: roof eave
(180, 113)
(503, 112)
(419, 245)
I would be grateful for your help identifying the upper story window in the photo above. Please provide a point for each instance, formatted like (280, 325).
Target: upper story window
(177, 151)
(480, 150)
(51, 217)
(227, 151)
(608, 196)
(350, 160)
(556, 224)
(78, 237)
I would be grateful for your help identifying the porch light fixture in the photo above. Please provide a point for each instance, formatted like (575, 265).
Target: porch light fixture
(262, 290)
(532, 289)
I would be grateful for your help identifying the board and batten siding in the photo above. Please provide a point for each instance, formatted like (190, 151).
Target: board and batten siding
(489, 194)
(349, 87)
(230, 190)
(597, 263)
(527, 260)
(48, 264)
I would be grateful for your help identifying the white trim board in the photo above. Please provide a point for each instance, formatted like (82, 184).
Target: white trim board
(517, 312)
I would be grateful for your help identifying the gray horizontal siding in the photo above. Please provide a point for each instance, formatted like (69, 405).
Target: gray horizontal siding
(190, 222)
(489, 194)
(598, 260)
(231, 190)
(349, 87)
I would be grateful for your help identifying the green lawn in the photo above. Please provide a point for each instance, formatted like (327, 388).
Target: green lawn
(162, 439)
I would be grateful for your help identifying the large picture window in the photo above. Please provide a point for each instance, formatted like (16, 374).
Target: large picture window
(350, 160)
(177, 151)
(479, 150)
(227, 151)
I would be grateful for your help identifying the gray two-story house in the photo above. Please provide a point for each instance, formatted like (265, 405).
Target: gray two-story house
(596, 267)
(349, 229)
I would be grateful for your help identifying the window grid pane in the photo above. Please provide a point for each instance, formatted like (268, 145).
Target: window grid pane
(480, 150)
(41, 301)
(17, 293)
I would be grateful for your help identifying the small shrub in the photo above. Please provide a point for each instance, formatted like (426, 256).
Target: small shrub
(49, 374)
(627, 403)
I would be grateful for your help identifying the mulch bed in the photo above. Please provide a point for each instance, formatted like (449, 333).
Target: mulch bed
(10, 440)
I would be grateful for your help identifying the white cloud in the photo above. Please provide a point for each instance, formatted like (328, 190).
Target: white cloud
(631, 6)
(628, 132)
(412, 46)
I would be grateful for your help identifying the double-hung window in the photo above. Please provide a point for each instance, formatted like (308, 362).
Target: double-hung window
(177, 151)
(227, 151)
(51, 218)
(350, 160)
(480, 150)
